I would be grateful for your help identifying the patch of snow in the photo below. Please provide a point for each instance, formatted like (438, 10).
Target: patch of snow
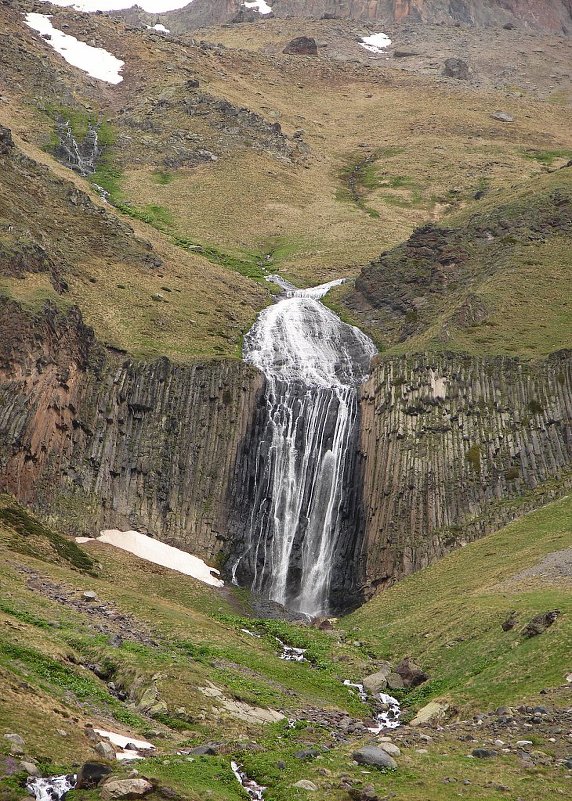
(83, 539)
(158, 27)
(258, 5)
(94, 60)
(128, 755)
(151, 6)
(161, 554)
(376, 43)
(121, 740)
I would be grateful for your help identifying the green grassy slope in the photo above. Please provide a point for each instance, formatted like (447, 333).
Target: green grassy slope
(449, 615)
(179, 635)
(492, 278)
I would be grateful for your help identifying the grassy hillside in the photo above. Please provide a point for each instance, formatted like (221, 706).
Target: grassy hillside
(177, 636)
(489, 279)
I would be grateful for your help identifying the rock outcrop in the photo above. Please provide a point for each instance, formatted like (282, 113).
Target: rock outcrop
(542, 15)
(301, 46)
(94, 440)
(454, 447)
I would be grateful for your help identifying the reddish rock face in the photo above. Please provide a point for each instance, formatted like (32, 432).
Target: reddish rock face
(542, 15)
(549, 15)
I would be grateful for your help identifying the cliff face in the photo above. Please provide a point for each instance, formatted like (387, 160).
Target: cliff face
(93, 440)
(543, 15)
(454, 447)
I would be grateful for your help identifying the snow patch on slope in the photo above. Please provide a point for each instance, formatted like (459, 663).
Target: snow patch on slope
(151, 6)
(94, 60)
(376, 43)
(160, 554)
(258, 5)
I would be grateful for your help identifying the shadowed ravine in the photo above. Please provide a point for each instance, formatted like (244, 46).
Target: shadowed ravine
(313, 364)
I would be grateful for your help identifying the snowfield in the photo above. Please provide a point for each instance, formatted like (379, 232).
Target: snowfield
(94, 60)
(376, 43)
(159, 553)
(151, 6)
(258, 5)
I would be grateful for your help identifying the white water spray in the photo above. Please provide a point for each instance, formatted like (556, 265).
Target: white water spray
(313, 364)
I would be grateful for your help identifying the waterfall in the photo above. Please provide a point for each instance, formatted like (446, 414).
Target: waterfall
(79, 156)
(313, 364)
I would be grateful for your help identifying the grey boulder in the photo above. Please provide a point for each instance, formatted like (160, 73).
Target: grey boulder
(375, 757)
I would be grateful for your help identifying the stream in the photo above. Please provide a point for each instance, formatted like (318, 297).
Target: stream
(52, 788)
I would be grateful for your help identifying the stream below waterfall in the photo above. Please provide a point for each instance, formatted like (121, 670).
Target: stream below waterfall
(313, 364)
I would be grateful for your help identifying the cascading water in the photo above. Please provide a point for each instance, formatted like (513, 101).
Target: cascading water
(80, 156)
(313, 363)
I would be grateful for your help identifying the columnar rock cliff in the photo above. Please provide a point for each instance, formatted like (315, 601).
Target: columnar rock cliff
(96, 440)
(452, 448)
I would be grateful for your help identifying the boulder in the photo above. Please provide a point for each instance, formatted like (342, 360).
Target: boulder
(502, 116)
(308, 753)
(30, 768)
(391, 749)
(149, 697)
(432, 711)
(375, 757)
(89, 595)
(305, 784)
(16, 744)
(456, 68)
(105, 750)
(510, 621)
(366, 793)
(411, 673)
(395, 682)
(125, 788)
(91, 774)
(204, 750)
(301, 46)
(483, 753)
(540, 623)
(377, 681)
(6, 141)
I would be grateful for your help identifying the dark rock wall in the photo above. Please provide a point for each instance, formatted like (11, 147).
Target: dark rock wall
(451, 447)
(455, 447)
(94, 440)
(247, 507)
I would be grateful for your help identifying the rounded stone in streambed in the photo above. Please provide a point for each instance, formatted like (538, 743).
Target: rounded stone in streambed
(375, 757)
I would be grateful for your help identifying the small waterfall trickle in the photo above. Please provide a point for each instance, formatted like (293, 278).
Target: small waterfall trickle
(313, 364)
(80, 156)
